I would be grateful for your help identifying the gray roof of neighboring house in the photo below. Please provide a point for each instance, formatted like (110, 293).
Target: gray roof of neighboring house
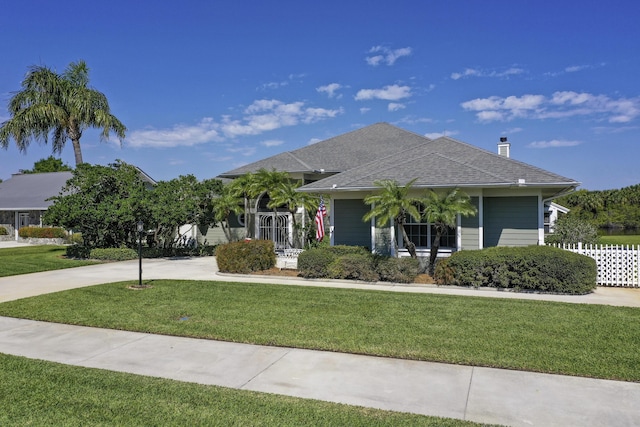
(31, 191)
(443, 162)
(339, 153)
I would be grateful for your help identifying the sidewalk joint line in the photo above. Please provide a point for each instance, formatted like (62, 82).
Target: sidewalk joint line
(242, 386)
(466, 402)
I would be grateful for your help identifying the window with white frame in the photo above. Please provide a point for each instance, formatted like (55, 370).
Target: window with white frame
(421, 233)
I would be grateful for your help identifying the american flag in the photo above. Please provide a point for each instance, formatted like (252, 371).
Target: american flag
(322, 212)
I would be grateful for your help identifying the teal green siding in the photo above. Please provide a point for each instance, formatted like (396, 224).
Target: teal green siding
(470, 228)
(349, 228)
(510, 221)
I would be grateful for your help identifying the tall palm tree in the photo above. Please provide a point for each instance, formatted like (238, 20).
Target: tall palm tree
(393, 204)
(242, 187)
(442, 211)
(59, 104)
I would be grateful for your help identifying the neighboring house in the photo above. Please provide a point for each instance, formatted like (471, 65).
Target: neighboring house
(510, 195)
(24, 198)
(552, 212)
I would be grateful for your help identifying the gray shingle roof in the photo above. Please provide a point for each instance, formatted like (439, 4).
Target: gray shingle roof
(339, 153)
(443, 162)
(31, 191)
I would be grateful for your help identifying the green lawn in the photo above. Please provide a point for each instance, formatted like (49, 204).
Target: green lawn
(32, 259)
(628, 239)
(574, 339)
(42, 393)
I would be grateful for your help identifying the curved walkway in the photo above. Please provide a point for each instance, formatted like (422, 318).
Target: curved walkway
(478, 394)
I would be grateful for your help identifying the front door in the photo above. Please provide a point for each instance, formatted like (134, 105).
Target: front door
(23, 219)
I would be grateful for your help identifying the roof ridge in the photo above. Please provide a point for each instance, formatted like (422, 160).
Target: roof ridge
(299, 161)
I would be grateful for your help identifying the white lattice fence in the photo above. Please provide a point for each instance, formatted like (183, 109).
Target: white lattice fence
(617, 265)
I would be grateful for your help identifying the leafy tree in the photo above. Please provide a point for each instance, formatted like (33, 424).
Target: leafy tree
(442, 211)
(59, 104)
(569, 229)
(50, 164)
(181, 201)
(393, 204)
(104, 203)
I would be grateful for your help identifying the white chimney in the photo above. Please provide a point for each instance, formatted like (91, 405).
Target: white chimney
(504, 147)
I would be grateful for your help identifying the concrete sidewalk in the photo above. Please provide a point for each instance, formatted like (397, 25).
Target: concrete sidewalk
(477, 394)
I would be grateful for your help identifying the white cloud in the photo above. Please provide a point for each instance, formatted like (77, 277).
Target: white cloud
(574, 68)
(364, 110)
(387, 93)
(313, 141)
(385, 55)
(178, 136)
(394, 106)
(261, 116)
(473, 72)
(272, 143)
(554, 143)
(435, 135)
(244, 151)
(562, 104)
(330, 90)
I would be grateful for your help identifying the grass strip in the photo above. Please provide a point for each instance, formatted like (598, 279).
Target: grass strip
(33, 259)
(34, 392)
(573, 339)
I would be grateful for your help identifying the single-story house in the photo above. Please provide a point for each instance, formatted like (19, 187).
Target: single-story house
(24, 198)
(509, 195)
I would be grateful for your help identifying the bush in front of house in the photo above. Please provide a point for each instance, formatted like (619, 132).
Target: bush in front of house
(355, 262)
(532, 268)
(246, 257)
(78, 251)
(3, 231)
(113, 254)
(42, 232)
(353, 266)
(397, 270)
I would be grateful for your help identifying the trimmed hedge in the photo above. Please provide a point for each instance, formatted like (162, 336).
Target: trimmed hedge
(113, 254)
(532, 268)
(3, 231)
(77, 251)
(397, 270)
(42, 232)
(357, 263)
(246, 257)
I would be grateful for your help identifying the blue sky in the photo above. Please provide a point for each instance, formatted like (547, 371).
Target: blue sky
(206, 86)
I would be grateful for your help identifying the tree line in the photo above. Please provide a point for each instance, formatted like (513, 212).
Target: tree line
(618, 208)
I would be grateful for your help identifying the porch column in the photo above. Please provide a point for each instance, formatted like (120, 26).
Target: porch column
(481, 222)
(540, 220)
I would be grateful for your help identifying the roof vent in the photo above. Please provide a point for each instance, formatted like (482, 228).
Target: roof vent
(504, 147)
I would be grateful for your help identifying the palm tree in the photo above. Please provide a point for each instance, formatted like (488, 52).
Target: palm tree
(242, 187)
(226, 203)
(393, 203)
(59, 104)
(285, 194)
(442, 211)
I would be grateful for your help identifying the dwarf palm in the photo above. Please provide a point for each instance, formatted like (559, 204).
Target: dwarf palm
(393, 204)
(442, 211)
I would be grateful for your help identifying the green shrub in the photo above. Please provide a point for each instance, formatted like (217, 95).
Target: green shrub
(246, 257)
(399, 270)
(314, 263)
(75, 239)
(353, 266)
(340, 250)
(533, 268)
(78, 251)
(113, 254)
(42, 232)
(3, 231)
